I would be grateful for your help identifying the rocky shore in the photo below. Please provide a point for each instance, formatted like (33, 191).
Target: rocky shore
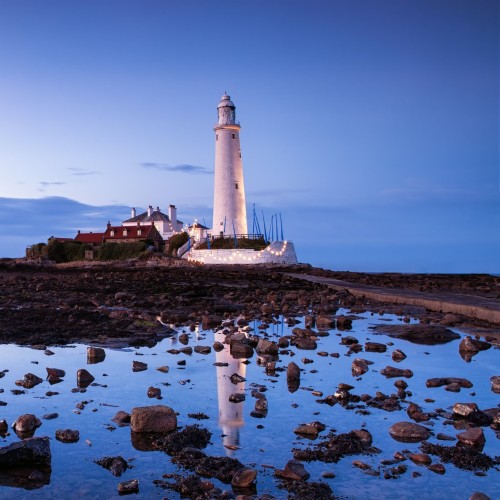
(135, 302)
(140, 303)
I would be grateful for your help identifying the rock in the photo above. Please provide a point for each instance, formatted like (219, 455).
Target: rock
(418, 333)
(471, 413)
(163, 369)
(241, 350)
(26, 425)
(420, 458)
(83, 378)
(67, 435)
(398, 355)
(359, 367)
(122, 418)
(344, 323)
(375, 347)
(202, 349)
(437, 468)
(325, 322)
(266, 347)
(292, 371)
(154, 392)
(390, 372)
(95, 354)
(236, 397)
(415, 413)
(307, 429)
(408, 432)
(468, 344)
(453, 387)
(244, 478)
(477, 495)
(117, 465)
(472, 437)
(305, 344)
(158, 419)
(451, 320)
(139, 366)
(293, 470)
(30, 380)
(218, 346)
(438, 382)
(30, 451)
(236, 378)
(349, 340)
(55, 372)
(4, 427)
(128, 487)
(495, 383)
(50, 416)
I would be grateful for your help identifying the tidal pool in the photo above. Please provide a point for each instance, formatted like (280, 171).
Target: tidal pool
(261, 443)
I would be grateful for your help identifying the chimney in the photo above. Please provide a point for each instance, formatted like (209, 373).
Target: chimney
(108, 225)
(150, 210)
(157, 209)
(172, 215)
(133, 212)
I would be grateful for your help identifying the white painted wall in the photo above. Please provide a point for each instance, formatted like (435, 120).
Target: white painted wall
(278, 252)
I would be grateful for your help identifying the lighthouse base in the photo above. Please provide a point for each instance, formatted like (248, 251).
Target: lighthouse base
(278, 252)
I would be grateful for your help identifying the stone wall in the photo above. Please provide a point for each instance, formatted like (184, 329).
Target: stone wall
(278, 252)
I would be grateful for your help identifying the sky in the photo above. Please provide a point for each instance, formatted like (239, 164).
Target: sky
(372, 127)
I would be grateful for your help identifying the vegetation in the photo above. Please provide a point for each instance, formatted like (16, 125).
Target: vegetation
(228, 243)
(176, 241)
(121, 251)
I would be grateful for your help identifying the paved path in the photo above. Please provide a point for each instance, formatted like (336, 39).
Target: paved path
(468, 305)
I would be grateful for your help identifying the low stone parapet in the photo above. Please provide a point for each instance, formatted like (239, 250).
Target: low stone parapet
(278, 252)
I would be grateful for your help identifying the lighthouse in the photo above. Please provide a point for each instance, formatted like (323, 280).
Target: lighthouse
(230, 215)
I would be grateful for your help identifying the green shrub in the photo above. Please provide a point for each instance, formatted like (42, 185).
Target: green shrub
(227, 243)
(65, 251)
(120, 251)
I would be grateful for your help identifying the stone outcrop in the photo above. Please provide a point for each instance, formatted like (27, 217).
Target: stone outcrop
(154, 419)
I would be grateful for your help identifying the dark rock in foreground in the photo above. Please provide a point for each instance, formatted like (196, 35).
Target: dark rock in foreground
(461, 457)
(31, 451)
(154, 419)
(117, 465)
(408, 432)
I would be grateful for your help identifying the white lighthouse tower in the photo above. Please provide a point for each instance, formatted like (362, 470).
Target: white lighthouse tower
(230, 214)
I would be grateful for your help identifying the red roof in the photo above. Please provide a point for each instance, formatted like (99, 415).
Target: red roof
(130, 232)
(89, 237)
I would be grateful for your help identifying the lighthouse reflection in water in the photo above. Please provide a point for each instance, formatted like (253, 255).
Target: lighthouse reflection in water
(230, 414)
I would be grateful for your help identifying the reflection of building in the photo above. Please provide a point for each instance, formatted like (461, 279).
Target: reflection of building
(230, 414)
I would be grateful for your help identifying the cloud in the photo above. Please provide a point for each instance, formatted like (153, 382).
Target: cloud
(183, 168)
(47, 184)
(82, 171)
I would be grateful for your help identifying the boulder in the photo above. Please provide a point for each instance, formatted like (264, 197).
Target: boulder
(154, 392)
(244, 478)
(390, 372)
(292, 371)
(67, 435)
(398, 355)
(408, 432)
(468, 344)
(418, 333)
(95, 355)
(293, 470)
(240, 350)
(375, 347)
(359, 367)
(157, 419)
(122, 418)
(30, 380)
(472, 437)
(495, 383)
(266, 347)
(128, 487)
(26, 425)
(83, 378)
(139, 366)
(30, 451)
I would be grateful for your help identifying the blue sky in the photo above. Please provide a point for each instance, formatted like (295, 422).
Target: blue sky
(373, 127)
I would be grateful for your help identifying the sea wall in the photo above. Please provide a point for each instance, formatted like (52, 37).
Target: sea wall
(278, 252)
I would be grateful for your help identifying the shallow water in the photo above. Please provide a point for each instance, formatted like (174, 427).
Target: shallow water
(202, 387)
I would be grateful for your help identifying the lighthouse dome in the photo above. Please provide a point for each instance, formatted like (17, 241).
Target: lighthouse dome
(226, 101)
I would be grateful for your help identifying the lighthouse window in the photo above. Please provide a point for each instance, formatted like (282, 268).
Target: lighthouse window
(236, 185)
(234, 136)
(216, 137)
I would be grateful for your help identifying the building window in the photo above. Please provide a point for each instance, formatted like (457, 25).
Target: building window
(124, 232)
(139, 232)
(236, 185)
(234, 136)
